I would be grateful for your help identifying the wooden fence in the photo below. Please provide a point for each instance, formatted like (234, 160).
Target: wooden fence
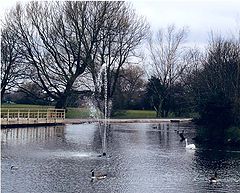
(16, 116)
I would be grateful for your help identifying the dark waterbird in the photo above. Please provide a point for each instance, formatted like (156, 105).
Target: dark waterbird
(14, 168)
(213, 179)
(102, 155)
(182, 136)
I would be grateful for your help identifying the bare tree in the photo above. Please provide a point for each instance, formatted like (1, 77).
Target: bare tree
(58, 39)
(11, 72)
(122, 33)
(194, 59)
(61, 39)
(166, 60)
(130, 87)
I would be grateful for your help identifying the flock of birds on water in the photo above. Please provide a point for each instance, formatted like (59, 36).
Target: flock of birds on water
(99, 176)
(212, 180)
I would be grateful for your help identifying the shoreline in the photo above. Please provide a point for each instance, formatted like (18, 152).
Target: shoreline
(81, 121)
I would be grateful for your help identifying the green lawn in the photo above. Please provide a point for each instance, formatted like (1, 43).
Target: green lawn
(77, 113)
(134, 114)
(82, 113)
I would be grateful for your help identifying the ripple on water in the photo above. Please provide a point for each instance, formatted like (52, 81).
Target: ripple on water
(140, 158)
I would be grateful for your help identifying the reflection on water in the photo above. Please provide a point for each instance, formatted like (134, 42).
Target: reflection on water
(140, 158)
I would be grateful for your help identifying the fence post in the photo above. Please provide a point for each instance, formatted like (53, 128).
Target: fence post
(18, 117)
(28, 115)
(55, 115)
(47, 116)
(8, 116)
(38, 115)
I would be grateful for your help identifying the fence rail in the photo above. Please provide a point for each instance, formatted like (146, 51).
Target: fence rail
(17, 116)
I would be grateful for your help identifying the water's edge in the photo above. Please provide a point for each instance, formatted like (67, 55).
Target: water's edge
(79, 121)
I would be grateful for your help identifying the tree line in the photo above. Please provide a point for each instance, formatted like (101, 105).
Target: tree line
(52, 53)
(61, 46)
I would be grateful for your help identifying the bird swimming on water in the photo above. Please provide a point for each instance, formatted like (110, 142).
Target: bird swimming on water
(189, 146)
(213, 179)
(181, 135)
(14, 168)
(104, 154)
(97, 177)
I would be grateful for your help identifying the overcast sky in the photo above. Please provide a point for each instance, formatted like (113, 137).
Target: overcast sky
(200, 16)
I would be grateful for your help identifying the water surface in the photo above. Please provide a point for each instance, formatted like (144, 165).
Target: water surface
(147, 158)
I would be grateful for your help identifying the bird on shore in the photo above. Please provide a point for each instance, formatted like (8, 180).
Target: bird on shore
(97, 177)
(213, 179)
(190, 146)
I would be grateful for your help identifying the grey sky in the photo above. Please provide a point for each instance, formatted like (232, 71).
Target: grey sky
(201, 16)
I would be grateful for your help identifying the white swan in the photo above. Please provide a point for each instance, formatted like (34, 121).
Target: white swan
(189, 146)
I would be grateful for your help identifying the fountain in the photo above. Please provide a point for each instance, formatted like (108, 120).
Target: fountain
(105, 109)
(99, 107)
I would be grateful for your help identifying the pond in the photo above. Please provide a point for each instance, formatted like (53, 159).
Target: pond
(141, 158)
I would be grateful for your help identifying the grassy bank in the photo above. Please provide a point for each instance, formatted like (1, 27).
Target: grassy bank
(134, 114)
(77, 113)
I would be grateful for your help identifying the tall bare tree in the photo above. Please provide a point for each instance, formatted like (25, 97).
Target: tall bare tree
(166, 60)
(130, 87)
(11, 72)
(58, 40)
(194, 59)
(122, 33)
(61, 39)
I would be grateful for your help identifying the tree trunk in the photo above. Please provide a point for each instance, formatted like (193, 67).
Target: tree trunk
(61, 103)
(166, 113)
(3, 89)
(159, 109)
